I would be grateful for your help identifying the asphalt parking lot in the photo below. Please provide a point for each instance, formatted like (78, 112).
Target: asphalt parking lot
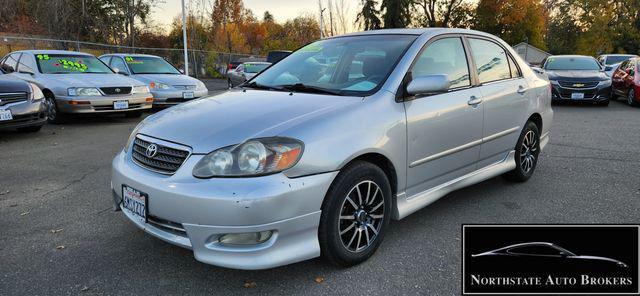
(59, 234)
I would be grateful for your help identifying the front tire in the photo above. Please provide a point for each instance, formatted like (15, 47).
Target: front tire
(355, 214)
(631, 97)
(53, 114)
(527, 152)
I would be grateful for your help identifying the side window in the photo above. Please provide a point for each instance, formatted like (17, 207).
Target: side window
(534, 250)
(515, 72)
(11, 63)
(444, 56)
(27, 64)
(117, 62)
(624, 65)
(240, 68)
(491, 60)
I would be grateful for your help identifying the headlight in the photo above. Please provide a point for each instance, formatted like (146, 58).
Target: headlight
(142, 89)
(159, 86)
(36, 92)
(83, 91)
(133, 134)
(252, 158)
(201, 85)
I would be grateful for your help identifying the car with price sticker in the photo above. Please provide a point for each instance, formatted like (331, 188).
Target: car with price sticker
(78, 83)
(22, 105)
(577, 78)
(167, 84)
(317, 153)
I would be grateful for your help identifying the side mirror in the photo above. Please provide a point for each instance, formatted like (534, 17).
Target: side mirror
(430, 84)
(181, 71)
(117, 70)
(537, 70)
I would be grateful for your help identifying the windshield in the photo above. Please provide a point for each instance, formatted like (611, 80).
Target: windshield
(616, 59)
(572, 63)
(150, 65)
(353, 65)
(254, 68)
(70, 64)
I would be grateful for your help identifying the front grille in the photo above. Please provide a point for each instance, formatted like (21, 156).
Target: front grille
(10, 98)
(166, 225)
(578, 85)
(124, 90)
(166, 161)
(185, 87)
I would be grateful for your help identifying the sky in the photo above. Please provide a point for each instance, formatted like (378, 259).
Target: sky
(282, 10)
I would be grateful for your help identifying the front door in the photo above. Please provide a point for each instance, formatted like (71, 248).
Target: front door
(444, 131)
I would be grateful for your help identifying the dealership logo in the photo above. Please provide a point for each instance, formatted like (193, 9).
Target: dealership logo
(550, 259)
(152, 150)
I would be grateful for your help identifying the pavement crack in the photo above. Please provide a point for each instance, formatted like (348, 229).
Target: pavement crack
(71, 183)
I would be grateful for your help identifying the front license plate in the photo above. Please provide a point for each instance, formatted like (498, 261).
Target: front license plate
(5, 115)
(136, 202)
(577, 96)
(118, 105)
(187, 95)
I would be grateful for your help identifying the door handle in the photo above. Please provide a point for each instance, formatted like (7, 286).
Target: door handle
(474, 101)
(522, 90)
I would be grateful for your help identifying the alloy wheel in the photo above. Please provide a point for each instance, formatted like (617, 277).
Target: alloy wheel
(528, 151)
(52, 111)
(361, 216)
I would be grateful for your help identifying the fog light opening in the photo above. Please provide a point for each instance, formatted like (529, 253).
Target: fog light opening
(244, 239)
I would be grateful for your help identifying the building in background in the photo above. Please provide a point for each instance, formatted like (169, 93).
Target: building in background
(533, 55)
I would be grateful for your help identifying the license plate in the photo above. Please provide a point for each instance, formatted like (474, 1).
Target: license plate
(118, 105)
(5, 115)
(577, 96)
(136, 202)
(187, 95)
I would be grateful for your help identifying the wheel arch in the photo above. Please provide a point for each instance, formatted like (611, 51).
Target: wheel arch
(383, 163)
(536, 118)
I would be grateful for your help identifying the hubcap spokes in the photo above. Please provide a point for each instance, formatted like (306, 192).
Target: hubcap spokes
(528, 151)
(361, 216)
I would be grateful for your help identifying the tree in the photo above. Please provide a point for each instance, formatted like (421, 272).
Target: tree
(513, 20)
(268, 17)
(441, 13)
(368, 16)
(396, 13)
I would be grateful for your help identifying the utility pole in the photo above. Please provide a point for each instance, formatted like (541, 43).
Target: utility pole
(321, 19)
(184, 39)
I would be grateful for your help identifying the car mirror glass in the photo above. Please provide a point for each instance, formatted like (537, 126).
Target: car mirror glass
(429, 84)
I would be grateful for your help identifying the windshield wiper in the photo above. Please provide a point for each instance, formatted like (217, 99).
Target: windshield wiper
(255, 85)
(301, 87)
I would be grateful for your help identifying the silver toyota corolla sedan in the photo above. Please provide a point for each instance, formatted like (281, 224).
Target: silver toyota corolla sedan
(167, 84)
(75, 82)
(315, 155)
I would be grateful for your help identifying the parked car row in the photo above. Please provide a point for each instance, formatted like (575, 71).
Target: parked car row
(598, 81)
(58, 83)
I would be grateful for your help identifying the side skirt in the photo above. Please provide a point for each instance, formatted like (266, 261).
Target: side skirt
(408, 205)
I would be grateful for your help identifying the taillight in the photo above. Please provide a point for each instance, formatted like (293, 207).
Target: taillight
(230, 66)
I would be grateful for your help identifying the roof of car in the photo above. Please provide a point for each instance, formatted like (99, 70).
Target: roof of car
(68, 52)
(131, 55)
(571, 56)
(618, 55)
(265, 63)
(416, 31)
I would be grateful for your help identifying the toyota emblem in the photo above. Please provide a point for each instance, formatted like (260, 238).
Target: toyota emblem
(117, 90)
(152, 150)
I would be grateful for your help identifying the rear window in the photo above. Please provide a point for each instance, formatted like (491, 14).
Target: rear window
(254, 68)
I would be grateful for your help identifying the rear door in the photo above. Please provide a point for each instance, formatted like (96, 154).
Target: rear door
(444, 131)
(504, 96)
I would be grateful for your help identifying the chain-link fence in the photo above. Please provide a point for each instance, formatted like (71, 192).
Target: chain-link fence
(202, 63)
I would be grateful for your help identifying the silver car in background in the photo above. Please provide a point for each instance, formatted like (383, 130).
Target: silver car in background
(320, 151)
(244, 72)
(76, 82)
(167, 84)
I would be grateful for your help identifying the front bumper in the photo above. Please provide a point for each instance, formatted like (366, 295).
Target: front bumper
(193, 213)
(599, 93)
(103, 104)
(25, 114)
(174, 97)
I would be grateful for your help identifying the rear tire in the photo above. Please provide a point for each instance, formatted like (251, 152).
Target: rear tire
(527, 153)
(354, 216)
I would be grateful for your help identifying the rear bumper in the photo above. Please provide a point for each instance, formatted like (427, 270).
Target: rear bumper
(25, 114)
(103, 104)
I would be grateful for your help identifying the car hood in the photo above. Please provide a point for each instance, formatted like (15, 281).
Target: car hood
(238, 115)
(9, 84)
(170, 79)
(576, 75)
(90, 80)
